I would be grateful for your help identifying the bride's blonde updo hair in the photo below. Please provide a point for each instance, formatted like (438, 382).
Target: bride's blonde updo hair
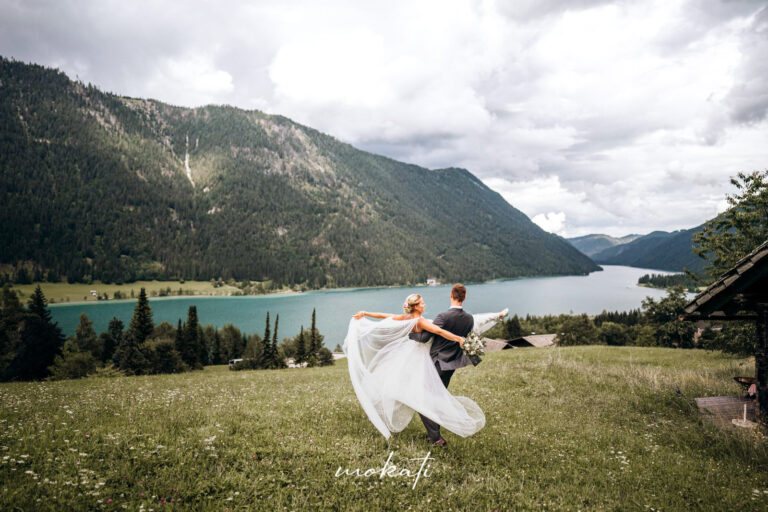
(411, 302)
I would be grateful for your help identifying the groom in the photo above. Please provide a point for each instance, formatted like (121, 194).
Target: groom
(446, 354)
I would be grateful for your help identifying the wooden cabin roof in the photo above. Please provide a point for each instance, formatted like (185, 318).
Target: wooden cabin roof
(737, 290)
(538, 340)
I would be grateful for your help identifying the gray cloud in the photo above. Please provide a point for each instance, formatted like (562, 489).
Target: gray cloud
(748, 99)
(589, 116)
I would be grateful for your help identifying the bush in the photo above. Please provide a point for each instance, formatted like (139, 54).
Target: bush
(72, 364)
(107, 372)
(577, 330)
(324, 357)
(163, 357)
(613, 334)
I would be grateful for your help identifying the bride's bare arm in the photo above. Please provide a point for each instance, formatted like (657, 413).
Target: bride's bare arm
(361, 314)
(429, 326)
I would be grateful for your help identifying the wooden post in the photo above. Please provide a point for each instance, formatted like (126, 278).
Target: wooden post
(761, 361)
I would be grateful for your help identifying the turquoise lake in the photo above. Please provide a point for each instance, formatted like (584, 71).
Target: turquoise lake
(613, 289)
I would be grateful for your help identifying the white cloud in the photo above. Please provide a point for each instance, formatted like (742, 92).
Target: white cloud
(195, 79)
(588, 115)
(554, 222)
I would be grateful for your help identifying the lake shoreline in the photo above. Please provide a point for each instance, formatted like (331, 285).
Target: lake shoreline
(67, 289)
(614, 289)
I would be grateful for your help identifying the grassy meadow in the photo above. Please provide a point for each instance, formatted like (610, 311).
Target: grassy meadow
(80, 292)
(577, 428)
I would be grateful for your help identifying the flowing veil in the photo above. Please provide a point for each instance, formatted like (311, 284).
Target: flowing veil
(394, 376)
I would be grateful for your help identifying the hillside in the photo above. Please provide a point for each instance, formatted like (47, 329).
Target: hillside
(576, 428)
(100, 186)
(593, 244)
(658, 250)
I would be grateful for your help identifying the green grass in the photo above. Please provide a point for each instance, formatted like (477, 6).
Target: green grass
(580, 428)
(79, 292)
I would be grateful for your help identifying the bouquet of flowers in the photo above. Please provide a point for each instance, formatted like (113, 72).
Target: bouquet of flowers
(474, 346)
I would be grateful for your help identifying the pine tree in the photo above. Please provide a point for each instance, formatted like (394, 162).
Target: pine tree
(190, 352)
(216, 353)
(115, 330)
(130, 356)
(313, 342)
(85, 337)
(203, 346)
(41, 340)
(268, 359)
(141, 323)
(301, 348)
(278, 360)
(179, 341)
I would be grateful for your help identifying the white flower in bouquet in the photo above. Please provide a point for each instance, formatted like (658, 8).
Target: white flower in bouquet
(474, 345)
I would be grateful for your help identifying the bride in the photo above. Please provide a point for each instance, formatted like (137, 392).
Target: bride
(393, 376)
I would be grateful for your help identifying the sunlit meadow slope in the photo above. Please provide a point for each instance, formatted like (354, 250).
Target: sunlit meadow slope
(590, 428)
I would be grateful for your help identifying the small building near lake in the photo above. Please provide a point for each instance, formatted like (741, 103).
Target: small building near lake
(533, 340)
(741, 293)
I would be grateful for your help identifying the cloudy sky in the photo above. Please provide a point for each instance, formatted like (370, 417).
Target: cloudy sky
(588, 115)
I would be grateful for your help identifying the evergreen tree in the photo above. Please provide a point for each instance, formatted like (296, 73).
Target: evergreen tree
(86, 339)
(141, 324)
(190, 352)
(115, 330)
(12, 315)
(216, 353)
(254, 351)
(203, 346)
(267, 360)
(41, 340)
(314, 345)
(301, 348)
(278, 359)
(512, 328)
(130, 355)
(179, 341)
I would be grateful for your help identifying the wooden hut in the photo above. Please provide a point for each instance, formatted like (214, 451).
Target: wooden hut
(741, 294)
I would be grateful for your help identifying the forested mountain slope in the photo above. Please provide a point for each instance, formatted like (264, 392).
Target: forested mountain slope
(98, 186)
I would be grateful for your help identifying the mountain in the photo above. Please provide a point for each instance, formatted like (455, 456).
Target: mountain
(115, 188)
(658, 250)
(593, 244)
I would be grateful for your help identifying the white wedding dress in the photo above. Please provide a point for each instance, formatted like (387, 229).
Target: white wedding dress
(394, 376)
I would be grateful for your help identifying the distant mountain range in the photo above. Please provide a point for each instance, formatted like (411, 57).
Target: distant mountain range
(593, 244)
(660, 250)
(99, 186)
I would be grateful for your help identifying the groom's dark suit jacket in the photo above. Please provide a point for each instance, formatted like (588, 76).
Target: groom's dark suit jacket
(447, 354)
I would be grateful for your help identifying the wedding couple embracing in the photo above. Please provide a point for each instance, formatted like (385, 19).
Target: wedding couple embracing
(403, 364)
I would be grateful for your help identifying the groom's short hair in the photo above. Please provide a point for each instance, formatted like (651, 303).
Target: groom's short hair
(459, 292)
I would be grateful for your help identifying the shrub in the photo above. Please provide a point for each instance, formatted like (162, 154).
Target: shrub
(163, 357)
(324, 357)
(613, 334)
(72, 364)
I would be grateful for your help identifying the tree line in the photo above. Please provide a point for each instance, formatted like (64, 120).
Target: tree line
(33, 347)
(689, 282)
(656, 324)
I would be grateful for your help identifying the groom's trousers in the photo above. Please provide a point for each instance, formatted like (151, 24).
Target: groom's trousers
(433, 429)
